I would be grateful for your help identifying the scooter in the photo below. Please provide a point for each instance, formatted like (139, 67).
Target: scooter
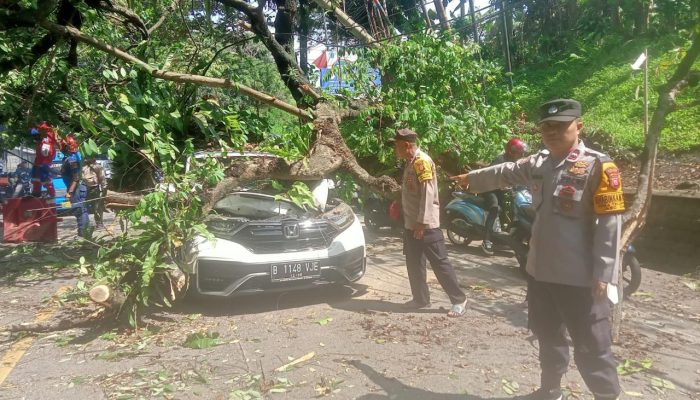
(466, 219)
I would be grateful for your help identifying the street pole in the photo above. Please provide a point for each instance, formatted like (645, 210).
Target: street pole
(506, 44)
(475, 28)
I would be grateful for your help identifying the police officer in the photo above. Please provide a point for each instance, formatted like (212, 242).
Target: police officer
(76, 191)
(94, 179)
(423, 237)
(574, 250)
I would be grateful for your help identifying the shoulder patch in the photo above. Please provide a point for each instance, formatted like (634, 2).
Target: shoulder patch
(608, 197)
(423, 168)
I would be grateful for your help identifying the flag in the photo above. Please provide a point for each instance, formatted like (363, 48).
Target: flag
(321, 61)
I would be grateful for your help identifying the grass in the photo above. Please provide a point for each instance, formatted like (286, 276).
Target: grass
(612, 94)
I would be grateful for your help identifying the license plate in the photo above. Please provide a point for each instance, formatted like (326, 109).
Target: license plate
(295, 271)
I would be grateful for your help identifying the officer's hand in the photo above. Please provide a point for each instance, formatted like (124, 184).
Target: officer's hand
(461, 180)
(418, 231)
(599, 290)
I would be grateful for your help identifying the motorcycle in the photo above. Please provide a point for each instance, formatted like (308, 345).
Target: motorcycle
(466, 218)
(380, 212)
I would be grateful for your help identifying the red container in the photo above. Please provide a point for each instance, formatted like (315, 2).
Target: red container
(29, 219)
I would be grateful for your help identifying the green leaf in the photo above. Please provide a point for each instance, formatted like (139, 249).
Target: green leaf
(325, 321)
(134, 130)
(202, 340)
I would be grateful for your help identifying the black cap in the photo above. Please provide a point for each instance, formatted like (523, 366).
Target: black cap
(406, 135)
(560, 110)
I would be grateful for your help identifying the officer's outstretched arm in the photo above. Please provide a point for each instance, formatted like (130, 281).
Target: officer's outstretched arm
(501, 176)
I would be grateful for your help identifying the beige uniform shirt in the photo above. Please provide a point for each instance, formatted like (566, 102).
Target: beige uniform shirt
(93, 175)
(576, 233)
(419, 192)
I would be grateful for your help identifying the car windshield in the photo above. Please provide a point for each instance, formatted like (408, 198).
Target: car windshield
(256, 206)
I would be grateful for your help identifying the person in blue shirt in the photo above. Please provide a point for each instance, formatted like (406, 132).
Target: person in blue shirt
(76, 191)
(23, 179)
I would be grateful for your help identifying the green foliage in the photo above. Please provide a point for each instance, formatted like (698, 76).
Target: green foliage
(167, 220)
(202, 340)
(612, 94)
(458, 104)
(298, 193)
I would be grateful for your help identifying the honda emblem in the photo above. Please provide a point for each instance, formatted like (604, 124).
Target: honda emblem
(291, 231)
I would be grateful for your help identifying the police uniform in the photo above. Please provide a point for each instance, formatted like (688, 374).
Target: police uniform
(94, 179)
(574, 243)
(70, 172)
(420, 204)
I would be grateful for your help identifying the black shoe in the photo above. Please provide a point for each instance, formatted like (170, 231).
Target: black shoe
(487, 247)
(545, 394)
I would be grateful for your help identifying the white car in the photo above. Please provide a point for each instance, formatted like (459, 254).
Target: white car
(265, 244)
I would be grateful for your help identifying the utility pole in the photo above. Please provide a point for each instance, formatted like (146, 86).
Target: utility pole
(474, 25)
(506, 43)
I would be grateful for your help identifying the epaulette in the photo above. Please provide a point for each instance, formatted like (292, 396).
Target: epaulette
(602, 157)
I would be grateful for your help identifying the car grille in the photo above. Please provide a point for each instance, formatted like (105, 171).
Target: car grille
(270, 238)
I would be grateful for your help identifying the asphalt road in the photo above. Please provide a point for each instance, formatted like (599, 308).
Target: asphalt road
(349, 342)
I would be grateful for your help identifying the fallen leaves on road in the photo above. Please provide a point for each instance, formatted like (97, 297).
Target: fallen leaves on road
(304, 358)
(202, 340)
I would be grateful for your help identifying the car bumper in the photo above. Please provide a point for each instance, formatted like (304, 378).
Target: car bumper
(225, 268)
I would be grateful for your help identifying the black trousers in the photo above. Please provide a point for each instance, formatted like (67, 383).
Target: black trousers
(493, 200)
(553, 309)
(432, 248)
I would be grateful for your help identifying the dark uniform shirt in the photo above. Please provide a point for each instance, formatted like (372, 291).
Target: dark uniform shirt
(70, 169)
(576, 232)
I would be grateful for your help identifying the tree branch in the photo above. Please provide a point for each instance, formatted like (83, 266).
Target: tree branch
(286, 63)
(129, 17)
(174, 76)
(356, 29)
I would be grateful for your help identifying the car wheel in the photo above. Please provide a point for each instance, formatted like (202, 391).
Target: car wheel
(631, 274)
(458, 224)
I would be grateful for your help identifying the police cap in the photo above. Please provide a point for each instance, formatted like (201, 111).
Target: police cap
(564, 110)
(406, 135)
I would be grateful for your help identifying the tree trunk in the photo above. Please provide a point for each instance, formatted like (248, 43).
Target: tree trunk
(304, 25)
(440, 9)
(284, 24)
(615, 15)
(107, 297)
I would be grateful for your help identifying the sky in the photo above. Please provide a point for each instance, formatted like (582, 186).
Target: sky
(315, 51)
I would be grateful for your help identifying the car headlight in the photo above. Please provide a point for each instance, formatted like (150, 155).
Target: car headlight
(341, 217)
(224, 226)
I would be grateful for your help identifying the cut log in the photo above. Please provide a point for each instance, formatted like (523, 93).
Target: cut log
(107, 297)
(178, 284)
